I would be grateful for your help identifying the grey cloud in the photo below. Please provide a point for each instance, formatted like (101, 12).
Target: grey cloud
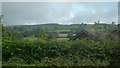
(0, 8)
(99, 14)
(20, 13)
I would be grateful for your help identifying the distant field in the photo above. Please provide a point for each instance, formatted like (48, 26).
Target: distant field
(62, 35)
(74, 34)
(62, 38)
(60, 31)
(63, 30)
(33, 38)
(30, 38)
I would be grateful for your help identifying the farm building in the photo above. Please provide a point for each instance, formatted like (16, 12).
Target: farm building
(116, 30)
(84, 34)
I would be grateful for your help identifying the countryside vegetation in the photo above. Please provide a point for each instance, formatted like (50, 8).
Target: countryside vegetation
(48, 45)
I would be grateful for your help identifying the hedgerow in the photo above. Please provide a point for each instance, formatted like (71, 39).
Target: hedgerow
(60, 53)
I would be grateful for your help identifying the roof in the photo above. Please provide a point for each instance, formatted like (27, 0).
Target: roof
(116, 30)
(85, 33)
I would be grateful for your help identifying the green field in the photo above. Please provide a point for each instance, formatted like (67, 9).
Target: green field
(30, 38)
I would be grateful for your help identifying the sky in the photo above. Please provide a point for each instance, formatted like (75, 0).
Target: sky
(0, 8)
(65, 13)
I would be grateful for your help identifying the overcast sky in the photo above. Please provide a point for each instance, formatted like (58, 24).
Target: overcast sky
(31, 13)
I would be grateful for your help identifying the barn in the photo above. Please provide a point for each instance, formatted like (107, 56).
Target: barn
(84, 34)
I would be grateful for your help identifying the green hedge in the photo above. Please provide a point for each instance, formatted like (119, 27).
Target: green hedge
(60, 53)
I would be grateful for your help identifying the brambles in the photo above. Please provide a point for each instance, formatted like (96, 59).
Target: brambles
(60, 53)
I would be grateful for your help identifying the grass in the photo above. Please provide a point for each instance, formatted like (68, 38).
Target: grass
(62, 38)
(0, 63)
(30, 38)
(60, 35)
(63, 30)
(60, 31)
(33, 39)
(63, 35)
(10, 64)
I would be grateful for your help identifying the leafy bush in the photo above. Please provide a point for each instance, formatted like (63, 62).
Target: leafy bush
(61, 53)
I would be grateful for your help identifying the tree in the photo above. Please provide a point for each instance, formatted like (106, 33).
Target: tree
(82, 23)
(56, 33)
(1, 18)
(95, 23)
(113, 23)
(98, 22)
(70, 35)
(5, 33)
(42, 34)
(16, 36)
(51, 36)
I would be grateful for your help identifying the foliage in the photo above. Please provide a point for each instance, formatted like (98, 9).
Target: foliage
(60, 53)
(48, 51)
(53, 35)
(70, 35)
(34, 30)
(42, 35)
(5, 33)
